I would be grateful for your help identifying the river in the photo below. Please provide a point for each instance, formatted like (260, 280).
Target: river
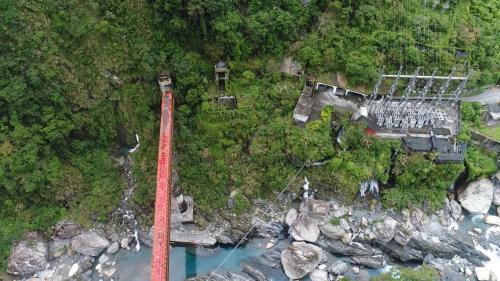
(185, 261)
(189, 261)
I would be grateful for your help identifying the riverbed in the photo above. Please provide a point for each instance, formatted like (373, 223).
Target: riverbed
(190, 261)
(186, 261)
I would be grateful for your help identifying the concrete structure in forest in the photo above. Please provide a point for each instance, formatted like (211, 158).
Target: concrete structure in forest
(221, 86)
(304, 105)
(414, 107)
(228, 102)
(221, 76)
(439, 140)
(424, 117)
(316, 95)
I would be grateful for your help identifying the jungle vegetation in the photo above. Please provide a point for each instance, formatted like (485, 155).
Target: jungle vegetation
(77, 81)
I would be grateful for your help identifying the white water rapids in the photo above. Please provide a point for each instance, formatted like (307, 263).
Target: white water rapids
(132, 150)
(493, 265)
(370, 186)
(307, 193)
(492, 252)
(126, 211)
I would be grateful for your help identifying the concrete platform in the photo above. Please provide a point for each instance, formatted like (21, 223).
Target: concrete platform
(178, 217)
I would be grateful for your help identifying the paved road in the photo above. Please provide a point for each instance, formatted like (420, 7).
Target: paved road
(490, 96)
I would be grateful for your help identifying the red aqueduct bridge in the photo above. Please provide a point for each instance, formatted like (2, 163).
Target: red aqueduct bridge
(161, 236)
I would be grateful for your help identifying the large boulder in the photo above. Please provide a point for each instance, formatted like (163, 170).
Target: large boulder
(227, 228)
(113, 248)
(493, 220)
(89, 243)
(447, 246)
(449, 269)
(318, 275)
(332, 231)
(57, 248)
(253, 272)
(300, 258)
(403, 233)
(352, 249)
(305, 229)
(259, 268)
(28, 255)
(317, 209)
(66, 229)
(397, 251)
(496, 196)
(455, 209)
(291, 216)
(384, 231)
(344, 224)
(477, 196)
(376, 261)
(418, 218)
(338, 267)
(267, 229)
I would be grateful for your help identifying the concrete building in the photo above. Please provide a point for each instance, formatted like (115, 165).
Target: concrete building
(449, 151)
(221, 85)
(316, 96)
(221, 76)
(421, 121)
(304, 104)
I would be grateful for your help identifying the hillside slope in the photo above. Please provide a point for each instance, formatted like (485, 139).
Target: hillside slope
(77, 81)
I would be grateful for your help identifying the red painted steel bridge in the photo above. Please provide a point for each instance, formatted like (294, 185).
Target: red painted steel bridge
(161, 236)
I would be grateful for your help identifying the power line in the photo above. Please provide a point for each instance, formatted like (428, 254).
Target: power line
(403, 20)
(407, 32)
(427, 32)
(400, 18)
(254, 224)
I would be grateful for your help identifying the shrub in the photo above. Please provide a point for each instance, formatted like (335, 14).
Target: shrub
(241, 204)
(479, 162)
(314, 142)
(471, 113)
(422, 273)
(249, 75)
(419, 179)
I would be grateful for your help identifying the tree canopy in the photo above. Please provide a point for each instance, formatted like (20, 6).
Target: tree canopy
(77, 82)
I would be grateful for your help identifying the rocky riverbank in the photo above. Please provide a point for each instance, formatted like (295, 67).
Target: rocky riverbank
(329, 240)
(70, 252)
(321, 240)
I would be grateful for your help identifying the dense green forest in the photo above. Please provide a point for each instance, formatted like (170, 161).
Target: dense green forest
(77, 81)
